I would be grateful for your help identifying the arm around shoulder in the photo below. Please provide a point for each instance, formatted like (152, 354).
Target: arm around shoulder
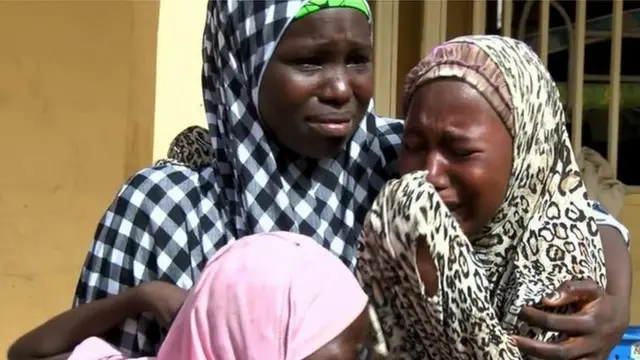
(56, 338)
(615, 241)
(122, 256)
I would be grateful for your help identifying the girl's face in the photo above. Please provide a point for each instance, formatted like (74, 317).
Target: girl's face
(347, 345)
(453, 132)
(319, 82)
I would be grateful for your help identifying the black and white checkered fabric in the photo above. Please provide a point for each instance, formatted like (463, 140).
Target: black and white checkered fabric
(168, 220)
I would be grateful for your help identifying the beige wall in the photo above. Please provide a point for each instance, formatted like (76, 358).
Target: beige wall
(77, 82)
(179, 63)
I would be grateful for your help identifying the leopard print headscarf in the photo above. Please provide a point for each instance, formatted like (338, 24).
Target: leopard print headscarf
(541, 236)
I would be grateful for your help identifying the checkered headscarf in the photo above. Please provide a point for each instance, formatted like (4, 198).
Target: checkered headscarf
(168, 220)
(257, 193)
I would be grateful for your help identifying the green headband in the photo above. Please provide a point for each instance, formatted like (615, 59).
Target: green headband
(313, 6)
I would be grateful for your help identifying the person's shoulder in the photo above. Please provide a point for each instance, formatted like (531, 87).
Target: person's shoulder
(604, 218)
(389, 126)
(386, 138)
(388, 131)
(169, 173)
(166, 184)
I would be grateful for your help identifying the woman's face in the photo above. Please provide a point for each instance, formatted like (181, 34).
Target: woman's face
(453, 132)
(319, 82)
(347, 345)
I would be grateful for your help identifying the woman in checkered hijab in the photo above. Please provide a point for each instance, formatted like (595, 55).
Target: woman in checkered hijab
(295, 143)
(296, 147)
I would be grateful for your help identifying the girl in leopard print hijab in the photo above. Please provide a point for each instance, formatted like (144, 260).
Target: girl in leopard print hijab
(491, 214)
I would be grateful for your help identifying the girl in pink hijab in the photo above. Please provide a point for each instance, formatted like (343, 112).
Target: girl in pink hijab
(271, 296)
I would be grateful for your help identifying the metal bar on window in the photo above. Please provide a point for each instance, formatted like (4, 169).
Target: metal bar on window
(507, 17)
(568, 23)
(443, 19)
(524, 17)
(577, 86)
(614, 85)
(543, 31)
(607, 34)
(479, 16)
(434, 25)
(605, 78)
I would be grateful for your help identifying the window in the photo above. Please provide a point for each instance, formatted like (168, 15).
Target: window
(596, 80)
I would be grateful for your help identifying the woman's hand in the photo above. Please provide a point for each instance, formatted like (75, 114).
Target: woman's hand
(163, 299)
(592, 332)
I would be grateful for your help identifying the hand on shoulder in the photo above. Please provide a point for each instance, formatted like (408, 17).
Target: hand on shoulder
(161, 298)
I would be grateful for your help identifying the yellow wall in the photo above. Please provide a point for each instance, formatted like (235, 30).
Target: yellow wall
(178, 87)
(77, 82)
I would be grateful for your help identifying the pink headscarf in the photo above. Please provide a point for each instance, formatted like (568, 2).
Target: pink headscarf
(276, 296)
(95, 348)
